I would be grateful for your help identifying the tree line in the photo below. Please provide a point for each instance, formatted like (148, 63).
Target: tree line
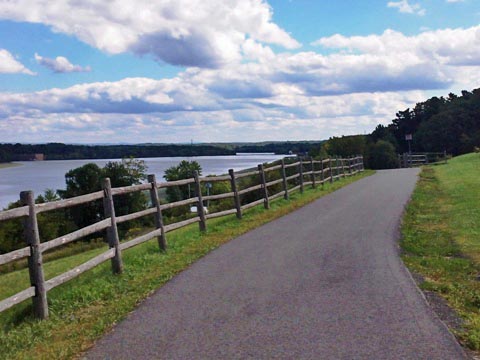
(60, 151)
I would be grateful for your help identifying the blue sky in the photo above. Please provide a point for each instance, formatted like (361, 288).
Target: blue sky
(244, 70)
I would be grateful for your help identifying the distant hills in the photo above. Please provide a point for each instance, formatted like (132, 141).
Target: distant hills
(60, 151)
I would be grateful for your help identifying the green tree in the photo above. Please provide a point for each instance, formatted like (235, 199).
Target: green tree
(89, 177)
(11, 232)
(382, 155)
(126, 173)
(80, 181)
(184, 170)
(346, 145)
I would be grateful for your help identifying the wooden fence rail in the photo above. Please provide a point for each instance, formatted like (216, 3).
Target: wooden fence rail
(301, 173)
(407, 160)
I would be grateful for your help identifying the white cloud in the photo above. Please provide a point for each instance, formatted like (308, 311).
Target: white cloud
(454, 1)
(182, 32)
(282, 96)
(60, 64)
(405, 7)
(311, 118)
(8, 64)
(439, 47)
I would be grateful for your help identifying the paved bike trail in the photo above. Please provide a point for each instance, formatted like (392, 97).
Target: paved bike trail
(324, 282)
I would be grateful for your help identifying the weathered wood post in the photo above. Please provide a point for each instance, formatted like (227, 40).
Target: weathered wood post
(284, 182)
(112, 231)
(263, 183)
(362, 165)
(162, 241)
(200, 209)
(331, 169)
(322, 172)
(300, 170)
(35, 261)
(337, 170)
(312, 175)
(236, 197)
(343, 167)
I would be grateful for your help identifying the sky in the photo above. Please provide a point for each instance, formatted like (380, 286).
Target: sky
(176, 71)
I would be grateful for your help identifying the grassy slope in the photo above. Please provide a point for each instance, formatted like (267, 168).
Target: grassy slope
(7, 165)
(441, 238)
(87, 307)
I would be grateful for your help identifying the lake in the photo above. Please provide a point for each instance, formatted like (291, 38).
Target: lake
(41, 175)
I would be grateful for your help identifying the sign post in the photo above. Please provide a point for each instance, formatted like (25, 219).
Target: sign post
(409, 137)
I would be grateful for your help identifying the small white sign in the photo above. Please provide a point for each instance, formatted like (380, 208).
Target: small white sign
(193, 209)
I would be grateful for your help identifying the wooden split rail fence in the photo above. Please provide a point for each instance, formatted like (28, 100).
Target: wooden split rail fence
(407, 160)
(305, 172)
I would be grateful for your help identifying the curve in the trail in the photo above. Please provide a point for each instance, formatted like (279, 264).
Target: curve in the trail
(324, 282)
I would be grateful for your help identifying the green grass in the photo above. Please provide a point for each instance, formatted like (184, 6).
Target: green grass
(85, 308)
(441, 238)
(7, 165)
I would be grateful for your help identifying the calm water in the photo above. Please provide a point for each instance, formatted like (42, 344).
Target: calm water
(41, 175)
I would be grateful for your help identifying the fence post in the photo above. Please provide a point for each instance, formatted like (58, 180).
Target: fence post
(322, 174)
(301, 175)
(337, 170)
(312, 175)
(162, 241)
(362, 164)
(200, 209)
(284, 182)
(329, 168)
(343, 167)
(35, 261)
(236, 198)
(263, 182)
(112, 231)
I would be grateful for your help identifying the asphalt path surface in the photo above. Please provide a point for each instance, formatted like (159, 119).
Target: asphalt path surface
(324, 282)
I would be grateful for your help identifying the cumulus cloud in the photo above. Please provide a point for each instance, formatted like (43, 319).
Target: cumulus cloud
(9, 65)
(405, 7)
(60, 64)
(309, 118)
(361, 83)
(184, 32)
(442, 47)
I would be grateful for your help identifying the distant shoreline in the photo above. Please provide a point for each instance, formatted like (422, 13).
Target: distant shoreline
(9, 165)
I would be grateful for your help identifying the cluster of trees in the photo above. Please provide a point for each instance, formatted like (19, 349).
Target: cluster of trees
(438, 124)
(450, 124)
(88, 179)
(82, 180)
